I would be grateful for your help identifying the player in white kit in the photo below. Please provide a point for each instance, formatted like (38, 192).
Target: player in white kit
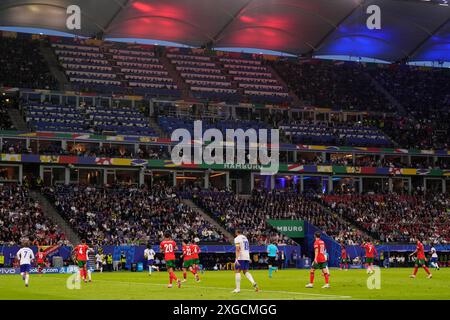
(434, 258)
(25, 256)
(242, 262)
(150, 254)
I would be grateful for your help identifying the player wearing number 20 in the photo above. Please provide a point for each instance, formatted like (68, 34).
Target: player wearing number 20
(168, 246)
(242, 262)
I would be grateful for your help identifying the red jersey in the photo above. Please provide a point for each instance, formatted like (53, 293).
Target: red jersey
(195, 249)
(420, 250)
(319, 245)
(371, 251)
(168, 247)
(343, 253)
(40, 256)
(81, 252)
(187, 252)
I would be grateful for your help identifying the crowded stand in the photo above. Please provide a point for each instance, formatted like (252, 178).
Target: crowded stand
(335, 85)
(250, 214)
(23, 66)
(22, 218)
(129, 215)
(431, 132)
(5, 121)
(396, 218)
(424, 92)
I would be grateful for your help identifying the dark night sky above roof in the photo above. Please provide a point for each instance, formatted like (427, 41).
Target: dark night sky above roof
(416, 29)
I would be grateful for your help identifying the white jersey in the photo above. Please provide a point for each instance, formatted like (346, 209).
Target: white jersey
(433, 252)
(244, 253)
(25, 255)
(99, 258)
(150, 254)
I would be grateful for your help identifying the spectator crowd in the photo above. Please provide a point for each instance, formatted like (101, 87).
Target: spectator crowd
(251, 214)
(396, 218)
(22, 218)
(129, 215)
(22, 65)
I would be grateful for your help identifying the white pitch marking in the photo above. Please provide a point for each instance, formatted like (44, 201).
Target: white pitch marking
(326, 296)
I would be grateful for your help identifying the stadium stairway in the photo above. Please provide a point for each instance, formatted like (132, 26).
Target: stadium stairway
(208, 218)
(296, 101)
(54, 66)
(17, 119)
(400, 108)
(53, 215)
(344, 219)
(173, 73)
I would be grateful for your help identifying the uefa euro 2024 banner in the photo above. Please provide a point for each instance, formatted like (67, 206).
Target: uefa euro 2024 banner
(290, 228)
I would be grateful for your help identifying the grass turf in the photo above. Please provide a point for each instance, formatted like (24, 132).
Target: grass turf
(285, 285)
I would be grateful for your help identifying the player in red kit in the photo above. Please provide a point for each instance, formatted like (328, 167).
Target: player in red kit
(195, 249)
(344, 257)
(188, 261)
(320, 262)
(81, 258)
(40, 258)
(421, 260)
(168, 246)
(371, 253)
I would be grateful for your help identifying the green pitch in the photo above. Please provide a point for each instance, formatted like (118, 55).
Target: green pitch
(285, 284)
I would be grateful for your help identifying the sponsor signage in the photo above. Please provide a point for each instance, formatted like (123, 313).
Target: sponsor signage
(290, 228)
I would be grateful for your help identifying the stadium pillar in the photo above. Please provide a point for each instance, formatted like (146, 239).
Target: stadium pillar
(105, 177)
(151, 108)
(360, 185)
(444, 186)
(302, 184)
(67, 176)
(330, 184)
(272, 182)
(390, 185)
(41, 172)
(252, 180)
(227, 180)
(20, 174)
(409, 186)
(174, 179)
(294, 156)
(206, 179)
(141, 176)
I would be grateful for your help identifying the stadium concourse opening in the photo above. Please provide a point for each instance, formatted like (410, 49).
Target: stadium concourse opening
(97, 200)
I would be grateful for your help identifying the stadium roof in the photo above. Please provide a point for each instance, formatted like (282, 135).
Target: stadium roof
(414, 29)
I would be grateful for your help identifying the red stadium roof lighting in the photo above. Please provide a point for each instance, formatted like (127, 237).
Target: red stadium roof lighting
(300, 27)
